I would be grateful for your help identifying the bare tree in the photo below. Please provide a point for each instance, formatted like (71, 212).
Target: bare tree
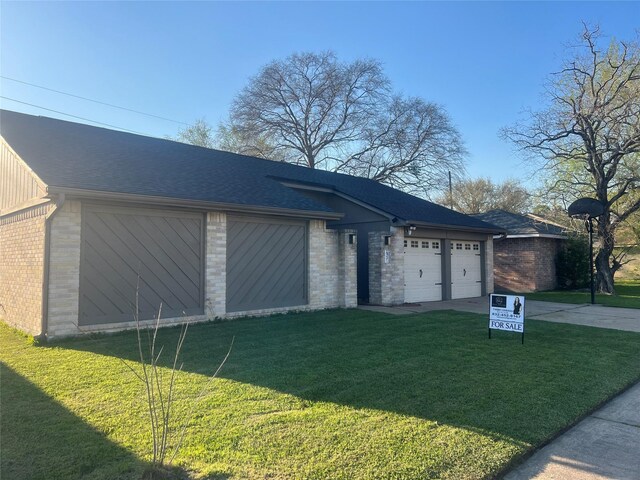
(315, 111)
(200, 133)
(481, 195)
(588, 140)
(230, 139)
(411, 146)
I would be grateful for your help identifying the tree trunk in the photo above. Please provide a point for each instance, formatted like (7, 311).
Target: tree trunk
(604, 272)
(604, 275)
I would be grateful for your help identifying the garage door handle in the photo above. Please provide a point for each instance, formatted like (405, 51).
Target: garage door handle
(420, 273)
(464, 272)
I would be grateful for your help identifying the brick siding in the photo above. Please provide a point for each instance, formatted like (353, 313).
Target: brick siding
(525, 264)
(22, 237)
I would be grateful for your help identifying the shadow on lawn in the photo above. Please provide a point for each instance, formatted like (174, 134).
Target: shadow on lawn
(438, 366)
(41, 439)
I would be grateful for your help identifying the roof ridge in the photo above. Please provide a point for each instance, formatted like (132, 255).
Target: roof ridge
(85, 157)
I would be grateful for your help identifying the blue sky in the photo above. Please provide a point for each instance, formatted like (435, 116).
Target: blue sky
(485, 62)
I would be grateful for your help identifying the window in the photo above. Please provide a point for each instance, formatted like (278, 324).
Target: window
(414, 243)
(458, 246)
(425, 244)
(435, 244)
(467, 246)
(405, 243)
(476, 246)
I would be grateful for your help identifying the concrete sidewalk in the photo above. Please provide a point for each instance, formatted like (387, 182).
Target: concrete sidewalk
(606, 444)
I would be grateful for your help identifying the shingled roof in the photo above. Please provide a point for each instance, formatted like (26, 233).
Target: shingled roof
(521, 225)
(72, 156)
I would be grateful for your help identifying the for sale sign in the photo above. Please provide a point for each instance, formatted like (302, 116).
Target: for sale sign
(506, 312)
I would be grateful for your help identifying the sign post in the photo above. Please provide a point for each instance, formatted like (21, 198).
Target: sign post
(506, 312)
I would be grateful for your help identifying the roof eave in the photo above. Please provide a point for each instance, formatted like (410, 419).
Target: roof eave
(335, 191)
(81, 193)
(440, 226)
(536, 235)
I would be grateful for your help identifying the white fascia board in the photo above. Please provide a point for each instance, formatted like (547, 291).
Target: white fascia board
(533, 235)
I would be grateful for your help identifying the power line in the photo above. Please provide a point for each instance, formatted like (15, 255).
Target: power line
(94, 101)
(74, 116)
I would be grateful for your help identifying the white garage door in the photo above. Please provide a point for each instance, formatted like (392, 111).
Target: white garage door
(422, 270)
(466, 272)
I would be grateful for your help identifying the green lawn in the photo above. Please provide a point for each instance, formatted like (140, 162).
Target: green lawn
(336, 394)
(627, 295)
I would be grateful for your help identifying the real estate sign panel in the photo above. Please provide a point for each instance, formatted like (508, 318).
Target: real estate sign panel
(506, 312)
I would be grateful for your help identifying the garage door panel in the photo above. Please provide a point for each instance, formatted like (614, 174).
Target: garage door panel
(103, 267)
(283, 278)
(187, 259)
(100, 275)
(136, 252)
(266, 264)
(162, 247)
(147, 248)
(466, 271)
(423, 270)
(266, 256)
(106, 272)
(161, 275)
(262, 252)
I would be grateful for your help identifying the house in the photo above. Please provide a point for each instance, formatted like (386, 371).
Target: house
(524, 258)
(89, 217)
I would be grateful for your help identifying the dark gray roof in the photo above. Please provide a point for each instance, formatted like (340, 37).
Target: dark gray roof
(71, 155)
(516, 224)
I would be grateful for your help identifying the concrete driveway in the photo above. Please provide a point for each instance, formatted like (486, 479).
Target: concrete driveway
(606, 444)
(591, 315)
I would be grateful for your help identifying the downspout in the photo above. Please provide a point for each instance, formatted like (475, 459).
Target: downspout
(45, 271)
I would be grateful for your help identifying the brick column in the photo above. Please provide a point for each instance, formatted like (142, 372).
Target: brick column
(216, 266)
(64, 270)
(386, 267)
(488, 259)
(323, 266)
(348, 269)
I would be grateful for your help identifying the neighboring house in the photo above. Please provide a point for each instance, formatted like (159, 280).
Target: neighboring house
(87, 214)
(525, 259)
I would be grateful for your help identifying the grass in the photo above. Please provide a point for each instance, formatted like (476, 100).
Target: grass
(631, 270)
(336, 394)
(627, 296)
